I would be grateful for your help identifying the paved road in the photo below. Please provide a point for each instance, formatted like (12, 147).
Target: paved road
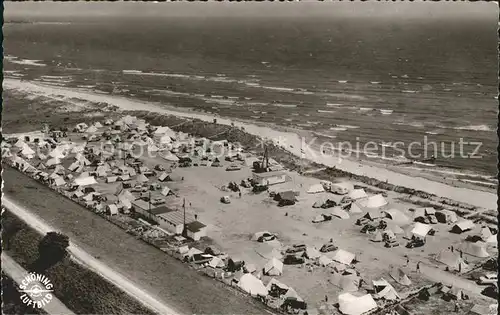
(17, 273)
(92, 263)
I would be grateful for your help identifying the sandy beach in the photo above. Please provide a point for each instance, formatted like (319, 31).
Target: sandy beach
(293, 142)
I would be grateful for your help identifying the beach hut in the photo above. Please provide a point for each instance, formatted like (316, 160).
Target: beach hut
(316, 188)
(84, 181)
(28, 152)
(373, 214)
(355, 305)
(112, 209)
(59, 181)
(446, 216)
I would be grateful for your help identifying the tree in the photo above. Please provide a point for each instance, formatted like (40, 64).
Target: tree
(51, 250)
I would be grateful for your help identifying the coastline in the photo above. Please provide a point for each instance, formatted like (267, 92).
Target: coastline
(292, 137)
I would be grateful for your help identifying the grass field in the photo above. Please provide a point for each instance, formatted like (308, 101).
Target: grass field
(79, 289)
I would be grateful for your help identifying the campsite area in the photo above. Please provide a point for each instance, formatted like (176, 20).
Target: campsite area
(314, 240)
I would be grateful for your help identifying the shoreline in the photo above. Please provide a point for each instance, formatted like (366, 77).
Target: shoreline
(479, 198)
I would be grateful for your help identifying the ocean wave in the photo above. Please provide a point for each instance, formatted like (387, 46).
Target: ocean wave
(375, 82)
(324, 135)
(348, 126)
(386, 111)
(342, 81)
(475, 128)
(277, 88)
(26, 62)
(432, 132)
(338, 128)
(325, 111)
(424, 164)
(365, 109)
(333, 104)
(409, 91)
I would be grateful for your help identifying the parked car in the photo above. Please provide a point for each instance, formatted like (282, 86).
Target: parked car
(489, 278)
(159, 167)
(293, 260)
(368, 228)
(329, 247)
(416, 242)
(296, 248)
(390, 244)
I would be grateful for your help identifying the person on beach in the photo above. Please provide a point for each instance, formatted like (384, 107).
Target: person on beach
(451, 247)
(407, 260)
(239, 193)
(418, 267)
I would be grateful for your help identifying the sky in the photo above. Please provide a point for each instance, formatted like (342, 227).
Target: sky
(398, 9)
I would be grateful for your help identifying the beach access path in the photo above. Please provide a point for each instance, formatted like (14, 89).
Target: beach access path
(292, 142)
(17, 273)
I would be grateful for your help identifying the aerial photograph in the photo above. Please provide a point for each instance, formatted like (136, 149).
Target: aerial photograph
(313, 158)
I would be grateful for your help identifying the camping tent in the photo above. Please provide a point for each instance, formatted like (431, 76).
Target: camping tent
(273, 282)
(396, 228)
(216, 262)
(350, 283)
(170, 157)
(316, 188)
(399, 276)
(53, 161)
(59, 181)
(422, 212)
(293, 295)
(355, 208)
(252, 285)
(311, 253)
(462, 226)
(477, 249)
(375, 201)
(28, 152)
(141, 178)
(340, 213)
(357, 194)
(324, 261)
(84, 181)
(355, 305)
(343, 256)
(446, 216)
(274, 267)
(377, 237)
(397, 216)
(166, 191)
(91, 129)
(452, 260)
(373, 214)
(388, 293)
(421, 229)
(112, 209)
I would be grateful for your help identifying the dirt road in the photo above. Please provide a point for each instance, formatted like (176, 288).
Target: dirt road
(93, 264)
(17, 273)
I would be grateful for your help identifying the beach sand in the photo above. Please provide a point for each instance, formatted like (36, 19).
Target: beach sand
(293, 142)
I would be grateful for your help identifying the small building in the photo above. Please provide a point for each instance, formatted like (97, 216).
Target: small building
(269, 178)
(196, 230)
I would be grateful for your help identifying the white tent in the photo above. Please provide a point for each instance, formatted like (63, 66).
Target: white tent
(57, 153)
(477, 249)
(165, 139)
(397, 216)
(421, 229)
(357, 194)
(355, 208)
(53, 161)
(274, 282)
(355, 305)
(81, 126)
(170, 157)
(343, 257)
(274, 267)
(452, 260)
(375, 201)
(20, 143)
(85, 181)
(161, 130)
(166, 191)
(112, 209)
(98, 125)
(216, 262)
(28, 152)
(59, 181)
(311, 253)
(400, 276)
(324, 260)
(91, 129)
(252, 285)
(141, 178)
(388, 293)
(340, 213)
(422, 212)
(316, 188)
